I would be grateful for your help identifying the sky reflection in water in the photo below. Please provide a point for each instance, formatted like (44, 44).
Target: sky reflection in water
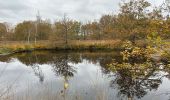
(86, 73)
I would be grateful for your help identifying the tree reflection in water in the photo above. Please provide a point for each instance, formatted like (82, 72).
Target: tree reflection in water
(131, 80)
(138, 72)
(38, 72)
(135, 83)
(35, 66)
(62, 68)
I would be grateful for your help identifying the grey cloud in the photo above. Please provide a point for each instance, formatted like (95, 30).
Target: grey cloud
(83, 10)
(15, 6)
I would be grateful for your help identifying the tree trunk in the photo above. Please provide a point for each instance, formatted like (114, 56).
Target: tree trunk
(66, 36)
(28, 37)
(84, 35)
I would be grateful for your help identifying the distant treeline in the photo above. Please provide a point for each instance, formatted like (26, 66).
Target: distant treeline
(135, 20)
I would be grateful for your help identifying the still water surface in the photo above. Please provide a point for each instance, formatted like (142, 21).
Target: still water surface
(51, 75)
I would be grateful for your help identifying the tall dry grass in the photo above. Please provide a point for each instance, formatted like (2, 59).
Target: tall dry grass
(15, 46)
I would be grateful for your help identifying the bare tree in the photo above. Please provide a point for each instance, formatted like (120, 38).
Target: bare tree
(65, 23)
(38, 20)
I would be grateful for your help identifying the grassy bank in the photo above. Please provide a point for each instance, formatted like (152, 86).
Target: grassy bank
(8, 47)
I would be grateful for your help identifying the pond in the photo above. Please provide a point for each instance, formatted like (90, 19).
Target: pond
(54, 75)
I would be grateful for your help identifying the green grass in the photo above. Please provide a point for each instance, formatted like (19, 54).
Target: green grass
(5, 50)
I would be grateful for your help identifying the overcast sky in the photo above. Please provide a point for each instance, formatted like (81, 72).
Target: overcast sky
(15, 11)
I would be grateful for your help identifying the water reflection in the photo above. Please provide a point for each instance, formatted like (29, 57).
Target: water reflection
(61, 66)
(138, 74)
(137, 83)
(126, 83)
(38, 72)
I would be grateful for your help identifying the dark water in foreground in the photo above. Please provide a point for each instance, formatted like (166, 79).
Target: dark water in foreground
(52, 75)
